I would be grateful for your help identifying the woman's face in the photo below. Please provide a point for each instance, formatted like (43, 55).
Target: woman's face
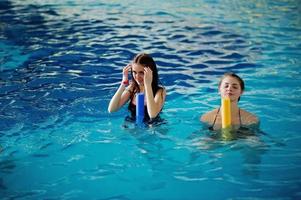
(231, 88)
(138, 73)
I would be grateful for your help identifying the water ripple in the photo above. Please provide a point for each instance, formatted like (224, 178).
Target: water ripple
(62, 61)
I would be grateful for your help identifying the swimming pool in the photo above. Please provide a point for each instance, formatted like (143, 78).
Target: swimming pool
(60, 63)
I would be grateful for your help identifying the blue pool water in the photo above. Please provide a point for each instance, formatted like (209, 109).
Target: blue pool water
(61, 62)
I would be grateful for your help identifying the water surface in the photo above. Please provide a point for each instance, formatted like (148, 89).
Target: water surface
(61, 62)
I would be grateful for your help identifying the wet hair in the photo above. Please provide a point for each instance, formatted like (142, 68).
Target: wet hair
(147, 61)
(240, 81)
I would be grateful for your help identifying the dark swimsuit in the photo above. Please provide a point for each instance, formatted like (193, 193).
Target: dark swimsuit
(211, 128)
(240, 132)
(146, 119)
(132, 109)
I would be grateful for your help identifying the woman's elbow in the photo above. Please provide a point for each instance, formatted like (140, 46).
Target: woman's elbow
(111, 110)
(153, 114)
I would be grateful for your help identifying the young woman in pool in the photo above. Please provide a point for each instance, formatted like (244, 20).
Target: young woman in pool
(145, 79)
(232, 86)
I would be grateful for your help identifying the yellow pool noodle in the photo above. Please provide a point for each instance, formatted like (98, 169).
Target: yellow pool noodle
(226, 112)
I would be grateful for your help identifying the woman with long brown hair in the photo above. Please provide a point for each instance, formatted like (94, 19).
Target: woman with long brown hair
(145, 80)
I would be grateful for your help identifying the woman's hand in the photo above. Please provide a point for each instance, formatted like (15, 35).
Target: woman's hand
(148, 76)
(125, 72)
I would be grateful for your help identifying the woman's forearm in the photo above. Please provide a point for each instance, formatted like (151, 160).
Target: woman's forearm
(153, 107)
(115, 101)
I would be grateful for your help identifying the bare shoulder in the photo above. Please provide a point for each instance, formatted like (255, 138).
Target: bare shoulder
(163, 89)
(249, 118)
(160, 95)
(161, 92)
(209, 116)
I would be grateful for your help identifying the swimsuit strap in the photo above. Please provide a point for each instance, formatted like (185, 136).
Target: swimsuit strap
(211, 127)
(239, 114)
(239, 117)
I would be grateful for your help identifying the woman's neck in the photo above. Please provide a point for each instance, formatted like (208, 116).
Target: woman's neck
(141, 88)
(234, 107)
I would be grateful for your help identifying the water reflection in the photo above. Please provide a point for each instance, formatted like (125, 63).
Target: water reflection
(247, 141)
(72, 55)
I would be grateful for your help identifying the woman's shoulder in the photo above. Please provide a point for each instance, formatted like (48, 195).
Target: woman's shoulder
(209, 116)
(249, 118)
(161, 90)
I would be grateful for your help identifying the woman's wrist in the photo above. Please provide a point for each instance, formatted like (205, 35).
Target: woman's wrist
(125, 82)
